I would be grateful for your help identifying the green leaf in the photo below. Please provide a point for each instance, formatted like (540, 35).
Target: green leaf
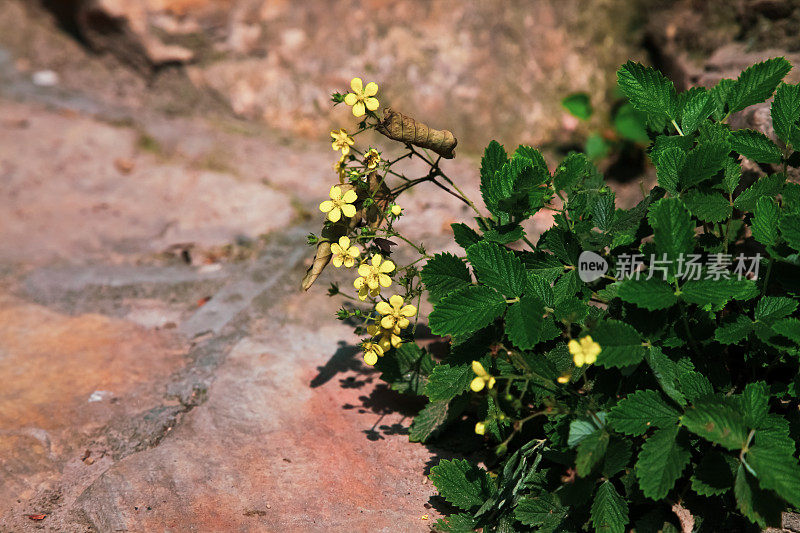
(590, 451)
(714, 474)
(694, 385)
(773, 307)
(667, 373)
(732, 175)
(524, 322)
(719, 93)
(572, 171)
(648, 90)
(596, 147)
(578, 105)
(640, 411)
(462, 484)
(766, 186)
(673, 228)
(456, 523)
(765, 221)
(540, 288)
(734, 332)
(543, 511)
(618, 456)
(790, 230)
(651, 294)
(717, 292)
(580, 428)
(716, 421)
(498, 268)
(425, 424)
(708, 207)
(786, 114)
(697, 104)
(620, 344)
(631, 124)
(776, 470)
(703, 162)
(788, 327)
(755, 146)
(609, 510)
(669, 163)
(759, 506)
(464, 235)
(446, 382)
(407, 370)
(755, 403)
(757, 83)
(661, 462)
(466, 310)
(603, 211)
(443, 274)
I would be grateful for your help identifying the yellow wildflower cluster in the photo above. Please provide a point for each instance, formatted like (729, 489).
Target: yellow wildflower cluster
(585, 351)
(483, 378)
(340, 203)
(395, 318)
(362, 97)
(373, 276)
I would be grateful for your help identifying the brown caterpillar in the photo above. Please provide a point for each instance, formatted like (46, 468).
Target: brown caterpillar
(371, 216)
(400, 127)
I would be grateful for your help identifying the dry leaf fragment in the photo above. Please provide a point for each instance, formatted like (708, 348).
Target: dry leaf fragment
(400, 127)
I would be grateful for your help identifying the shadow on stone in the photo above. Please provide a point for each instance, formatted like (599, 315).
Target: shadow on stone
(343, 360)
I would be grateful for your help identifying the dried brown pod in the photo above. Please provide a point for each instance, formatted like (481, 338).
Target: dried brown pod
(373, 216)
(400, 127)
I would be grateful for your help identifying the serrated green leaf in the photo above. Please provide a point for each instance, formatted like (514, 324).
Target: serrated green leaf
(464, 235)
(755, 146)
(466, 310)
(443, 274)
(696, 105)
(571, 171)
(446, 382)
(755, 403)
(543, 511)
(776, 470)
(666, 372)
(717, 421)
(717, 292)
(651, 294)
(669, 163)
(640, 411)
(603, 211)
(428, 421)
(590, 451)
(498, 267)
(578, 105)
(759, 506)
(694, 385)
(720, 95)
(714, 474)
(786, 114)
(580, 428)
(648, 90)
(540, 288)
(462, 484)
(766, 186)
(771, 308)
(609, 510)
(757, 83)
(708, 207)
(631, 124)
(620, 344)
(790, 230)
(732, 173)
(673, 230)
(703, 162)
(735, 331)
(788, 327)
(661, 462)
(456, 523)
(617, 458)
(765, 221)
(524, 322)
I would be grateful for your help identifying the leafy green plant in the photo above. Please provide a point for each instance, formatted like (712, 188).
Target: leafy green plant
(659, 395)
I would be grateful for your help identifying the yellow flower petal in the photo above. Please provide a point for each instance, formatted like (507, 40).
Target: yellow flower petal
(480, 428)
(350, 99)
(383, 308)
(384, 280)
(337, 261)
(477, 385)
(563, 379)
(350, 196)
(336, 249)
(370, 358)
(364, 270)
(362, 293)
(396, 301)
(336, 193)
(578, 359)
(396, 210)
(373, 284)
(357, 85)
(386, 267)
(573, 347)
(353, 252)
(373, 330)
(358, 109)
(403, 322)
(345, 149)
(477, 367)
(388, 322)
(372, 103)
(349, 210)
(396, 341)
(371, 89)
(491, 382)
(335, 214)
(408, 310)
(385, 344)
(326, 206)
(349, 262)
(344, 243)
(358, 283)
(376, 260)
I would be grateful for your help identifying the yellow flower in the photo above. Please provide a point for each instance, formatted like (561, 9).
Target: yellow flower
(372, 158)
(371, 352)
(563, 379)
(362, 97)
(340, 167)
(373, 276)
(342, 141)
(395, 313)
(344, 254)
(397, 210)
(339, 204)
(585, 351)
(483, 378)
(390, 338)
(480, 428)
